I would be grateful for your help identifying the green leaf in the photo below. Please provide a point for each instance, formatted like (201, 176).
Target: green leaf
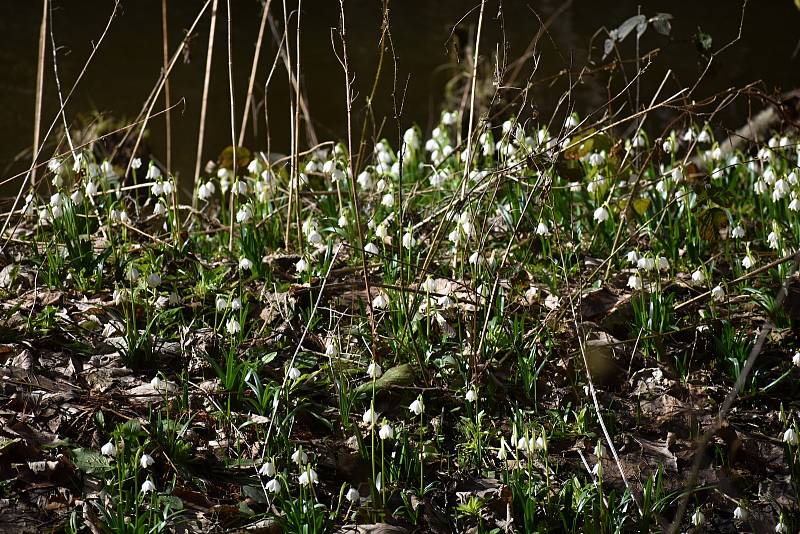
(399, 375)
(90, 461)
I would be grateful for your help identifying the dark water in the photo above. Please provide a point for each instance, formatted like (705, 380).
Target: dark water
(128, 63)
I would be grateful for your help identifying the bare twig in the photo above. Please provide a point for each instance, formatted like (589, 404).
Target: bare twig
(204, 101)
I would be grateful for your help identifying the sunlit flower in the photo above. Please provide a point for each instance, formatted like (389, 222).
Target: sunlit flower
(781, 527)
(632, 257)
(698, 277)
(790, 436)
(273, 486)
(299, 456)
(417, 407)
(374, 370)
(148, 486)
(245, 264)
(159, 209)
(293, 373)
(301, 266)
(718, 293)
(233, 326)
(370, 248)
(408, 240)
(646, 263)
(308, 477)
(380, 301)
(704, 137)
(153, 280)
(267, 470)
(748, 261)
(244, 214)
(738, 232)
(740, 514)
(601, 214)
(365, 180)
(698, 518)
(600, 451)
(108, 449)
(146, 461)
(635, 282)
(386, 431)
(369, 417)
(542, 229)
(597, 470)
(352, 495)
(136, 163)
(773, 240)
(153, 172)
(471, 396)
(796, 359)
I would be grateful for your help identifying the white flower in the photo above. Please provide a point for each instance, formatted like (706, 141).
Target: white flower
(148, 486)
(293, 373)
(146, 461)
(156, 189)
(221, 303)
(780, 190)
(273, 486)
(668, 146)
(374, 370)
(718, 293)
(386, 431)
(301, 266)
(790, 436)
(380, 301)
(153, 172)
(740, 514)
(132, 275)
(796, 359)
(704, 137)
(370, 248)
(542, 229)
(502, 452)
(773, 238)
(540, 444)
(299, 456)
(136, 163)
(352, 495)
(119, 296)
(267, 470)
(663, 264)
(781, 526)
(698, 277)
(748, 261)
(475, 258)
(697, 517)
(597, 470)
(597, 158)
(600, 451)
(159, 209)
(245, 264)
(794, 205)
(417, 407)
(244, 215)
(76, 196)
(153, 280)
(381, 232)
(91, 188)
(314, 237)
(308, 477)
(342, 222)
(646, 263)
(108, 449)
(601, 214)
(233, 326)
(449, 118)
(738, 232)
(388, 200)
(369, 417)
(471, 396)
(408, 240)
(635, 282)
(632, 257)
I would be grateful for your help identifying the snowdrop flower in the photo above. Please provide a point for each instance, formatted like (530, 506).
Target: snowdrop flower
(471, 396)
(153, 172)
(796, 359)
(153, 280)
(244, 215)
(342, 222)
(293, 373)
(273, 486)
(365, 180)
(638, 141)
(91, 188)
(245, 264)
(221, 303)
(635, 282)
(663, 264)
(704, 137)
(794, 205)
(597, 470)
(698, 518)
(597, 158)
(267, 470)
(301, 266)
(646, 263)
(600, 451)
(408, 240)
(698, 277)
(773, 238)
(379, 481)
(417, 407)
(387, 200)
(601, 214)
(135, 163)
(738, 232)
(314, 237)
(632, 257)
(740, 514)
(429, 285)
(449, 118)
(233, 326)
(370, 248)
(299, 456)
(77, 196)
(108, 450)
(308, 477)
(236, 304)
(748, 261)
(352, 495)
(239, 187)
(381, 231)
(119, 296)
(156, 189)
(132, 275)
(790, 436)
(540, 444)
(386, 431)
(781, 526)
(381, 301)
(369, 417)
(668, 146)
(148, 486)
(374, 370)
(146, 461)
(718, 293)
(475, 258)
(159, 209)
(780, 190)
(502, 452)
(542, 229)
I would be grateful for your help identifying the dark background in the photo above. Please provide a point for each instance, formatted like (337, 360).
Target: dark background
(128, 63)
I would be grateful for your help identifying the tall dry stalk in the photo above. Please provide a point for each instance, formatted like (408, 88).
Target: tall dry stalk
(204, 102)
(233, 126)
(167, 115)
(37, 111)
(292, 125)
(470, 135)
(254, 67)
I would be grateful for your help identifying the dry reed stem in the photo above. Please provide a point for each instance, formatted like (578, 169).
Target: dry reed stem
(472, 101)
(37, 111)
(204, 102)
(233, 128)
(254, 67)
